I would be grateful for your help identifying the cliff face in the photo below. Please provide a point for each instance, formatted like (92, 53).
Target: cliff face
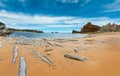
(3, 30)
(110, 28)
(6, 31)
(89, 27)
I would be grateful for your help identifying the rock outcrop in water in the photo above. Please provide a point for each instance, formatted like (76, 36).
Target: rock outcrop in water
(110, 28)
(74, 31)
(89, 27)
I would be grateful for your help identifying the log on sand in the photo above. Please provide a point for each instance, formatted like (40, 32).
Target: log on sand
(43, 58)
(75, 57)
(15, 53)
(23, 68)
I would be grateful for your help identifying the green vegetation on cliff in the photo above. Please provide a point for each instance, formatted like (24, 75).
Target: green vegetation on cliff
(24, 30)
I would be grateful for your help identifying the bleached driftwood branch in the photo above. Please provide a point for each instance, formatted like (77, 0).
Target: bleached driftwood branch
(15, 53)
(75, 57)
(43, 58)
(23, 67)
(1, 44)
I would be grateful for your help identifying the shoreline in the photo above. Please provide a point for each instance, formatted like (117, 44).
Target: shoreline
(45, 55)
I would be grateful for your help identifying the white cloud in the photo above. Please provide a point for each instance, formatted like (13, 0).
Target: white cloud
(112, 7)
(23, 21)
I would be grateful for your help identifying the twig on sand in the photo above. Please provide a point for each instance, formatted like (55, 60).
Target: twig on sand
(23, 68)
(75, 57)
(15, 53)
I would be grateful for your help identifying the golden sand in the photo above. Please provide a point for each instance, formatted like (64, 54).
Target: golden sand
(102, 52)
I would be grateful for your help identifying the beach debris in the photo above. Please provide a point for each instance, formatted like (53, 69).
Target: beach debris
(1, 44)
(75, 57)
(76, 50)
(23, 67)
(48, 49)
(48, 59)
(53, 44)
(15, 53)
(43, 58)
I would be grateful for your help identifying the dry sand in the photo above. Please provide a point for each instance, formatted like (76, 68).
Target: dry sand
(101, 50)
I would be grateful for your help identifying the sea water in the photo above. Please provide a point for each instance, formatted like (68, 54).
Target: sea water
(46, 35)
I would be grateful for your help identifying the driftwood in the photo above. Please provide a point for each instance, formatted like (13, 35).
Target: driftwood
(15, 53)
(75, 57)
(48, 59)
(23, 68)
(43, 58)
(1, 44)
(53, 44)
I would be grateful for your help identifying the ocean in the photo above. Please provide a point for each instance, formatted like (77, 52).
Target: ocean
(47, 35)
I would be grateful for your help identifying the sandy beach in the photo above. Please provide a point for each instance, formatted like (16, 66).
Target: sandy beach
(101, 51)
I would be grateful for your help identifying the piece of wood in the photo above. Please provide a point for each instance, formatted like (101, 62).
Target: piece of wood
(43, 58)
(75, 57)
(15, 53)
(23, 67)
(50, 60)
(1, 44)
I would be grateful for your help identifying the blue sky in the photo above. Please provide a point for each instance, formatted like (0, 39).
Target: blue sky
(58, 15)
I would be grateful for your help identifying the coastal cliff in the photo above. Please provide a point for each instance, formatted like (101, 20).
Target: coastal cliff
(88, 28)
(4, 31)
(91, 28)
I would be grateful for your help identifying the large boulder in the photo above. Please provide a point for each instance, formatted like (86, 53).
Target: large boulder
(89, 27)
(110, 28)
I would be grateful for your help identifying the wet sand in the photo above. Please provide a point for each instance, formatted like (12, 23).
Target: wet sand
(101, 50)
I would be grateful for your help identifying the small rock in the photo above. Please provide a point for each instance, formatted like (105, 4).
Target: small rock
(48, 53)
(48, 49)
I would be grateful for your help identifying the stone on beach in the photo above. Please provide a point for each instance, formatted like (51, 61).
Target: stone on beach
(48, 49)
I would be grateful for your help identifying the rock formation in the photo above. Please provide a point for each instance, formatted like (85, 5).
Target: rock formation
(110, 28)
(89, 27)
(74, 31)
(3, 30)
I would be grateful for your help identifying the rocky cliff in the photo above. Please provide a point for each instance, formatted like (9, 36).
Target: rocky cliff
(89, 27)
(4, 31)
(110, 28)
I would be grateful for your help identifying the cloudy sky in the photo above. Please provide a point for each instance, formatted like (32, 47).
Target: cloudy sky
(58, 15)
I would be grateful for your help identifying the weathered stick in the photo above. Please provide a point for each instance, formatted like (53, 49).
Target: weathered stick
(23, 68)
(43, 58)
(50, 60)
(15, 53)
(1, 44)
(37, 53)
(75, 57)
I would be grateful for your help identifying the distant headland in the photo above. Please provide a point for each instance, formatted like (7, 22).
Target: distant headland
(91, 28)
(4, 31)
